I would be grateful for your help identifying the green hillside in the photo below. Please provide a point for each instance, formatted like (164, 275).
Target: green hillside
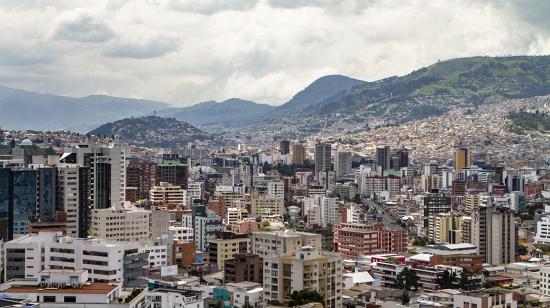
(445, 85)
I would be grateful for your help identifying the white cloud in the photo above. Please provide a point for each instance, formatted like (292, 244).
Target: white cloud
(264, 50)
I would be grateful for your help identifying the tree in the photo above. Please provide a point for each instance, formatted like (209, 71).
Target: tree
(305, 296)
(407, 279)
(466, 281)
(405, 298)
(521, 250)
(447, 280)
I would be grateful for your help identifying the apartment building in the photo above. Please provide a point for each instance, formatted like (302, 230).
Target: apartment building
(282, 243)
(121, 223)
(307, 268)
(226, 245)
(168, 194)
(354, 239)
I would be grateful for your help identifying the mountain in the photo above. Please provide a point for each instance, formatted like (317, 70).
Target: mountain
(319, 91)
(231, 112)
(152, 131)
(30, 110)
(464, 82)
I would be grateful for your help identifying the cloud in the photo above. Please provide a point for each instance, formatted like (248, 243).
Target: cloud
(82, 27)
(262, 50)
(143, 49)
(212, 6)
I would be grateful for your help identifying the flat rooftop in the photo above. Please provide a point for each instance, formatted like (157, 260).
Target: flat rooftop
(93, 288)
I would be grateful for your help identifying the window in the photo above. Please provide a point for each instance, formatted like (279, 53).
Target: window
(69, 299)
(49, 299)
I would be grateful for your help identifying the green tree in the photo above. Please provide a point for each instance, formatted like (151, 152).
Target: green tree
(521, 250)
(447, 280)
(466, 281)
(305, 296)
(407, 279)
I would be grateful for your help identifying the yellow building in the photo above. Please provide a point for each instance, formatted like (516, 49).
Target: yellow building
(445, 228)
(463, 159)
(298, 154)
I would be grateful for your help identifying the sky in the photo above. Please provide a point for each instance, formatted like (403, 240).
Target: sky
(187, 51)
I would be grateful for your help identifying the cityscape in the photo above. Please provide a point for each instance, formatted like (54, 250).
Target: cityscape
(212, 154)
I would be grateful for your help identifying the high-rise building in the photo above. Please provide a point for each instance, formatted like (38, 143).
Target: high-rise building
(433, 204)
(342, 163)
(494, 234)
(298, 154)
(445, 228)
(463, 159)
(329, 210)
(322, 157)
(383, 157)
(264, 205)
(306, 268)
(107, 165)
(284, 147)
(400, 159)
(73, 197)
(173, 172)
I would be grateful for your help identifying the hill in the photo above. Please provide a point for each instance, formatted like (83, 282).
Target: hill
(152, 131)
(530, 121)
(445, 85)
(23, 110)
(232, 112)
(319, 91)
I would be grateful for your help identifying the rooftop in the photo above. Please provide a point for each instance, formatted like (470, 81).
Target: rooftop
(93, 288)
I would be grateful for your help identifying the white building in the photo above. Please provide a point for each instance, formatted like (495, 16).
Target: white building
(28, 255)
(543, 227)
(282, 243)
(182, 234)
(121, 223)
(107, 169)
(544, 278)
(276, 189)
(194, 191)
(164, 297)
(68, 188)
(329, 210)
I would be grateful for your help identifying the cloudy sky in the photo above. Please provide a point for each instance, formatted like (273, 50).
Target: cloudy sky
(186, 51)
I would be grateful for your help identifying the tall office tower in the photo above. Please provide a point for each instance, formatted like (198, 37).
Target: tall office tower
(73, 197)
(46, 194)
(434, 203)
(298, 154)
(329, 210)
(494, 234)
(132, 172)
(463, 159)
(400, 159)
(322, 157)
(107, 165)
(284, 147)
(25, 196)
(383, 158)
(146, 178)
(173, 172)
(342, 163)
(6, 204)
